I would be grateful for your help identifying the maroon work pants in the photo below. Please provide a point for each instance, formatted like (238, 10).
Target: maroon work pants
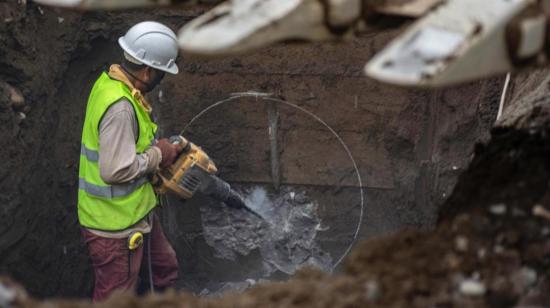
(118, 268)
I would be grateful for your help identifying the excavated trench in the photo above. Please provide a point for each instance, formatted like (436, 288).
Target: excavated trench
(409, 147)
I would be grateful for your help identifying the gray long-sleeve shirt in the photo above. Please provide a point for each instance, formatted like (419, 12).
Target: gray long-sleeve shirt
(118, 160)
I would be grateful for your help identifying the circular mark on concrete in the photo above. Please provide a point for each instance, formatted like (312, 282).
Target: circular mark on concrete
(265, 98)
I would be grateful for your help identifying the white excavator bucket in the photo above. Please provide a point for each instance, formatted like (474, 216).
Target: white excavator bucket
(243, 25)
(464, 40)
(103, 4)
(412, 8)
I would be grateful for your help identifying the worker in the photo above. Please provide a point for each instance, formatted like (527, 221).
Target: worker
(119, 154)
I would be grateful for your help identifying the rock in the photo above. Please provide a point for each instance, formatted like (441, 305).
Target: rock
(372, 289)
(524, 279)
(7, 296)
(498, 209)
(12, 294)
(461, 243)
(470, 287)
(452, 261)
(498, 249)
(541, 211)
(482, 253)
(16, 99)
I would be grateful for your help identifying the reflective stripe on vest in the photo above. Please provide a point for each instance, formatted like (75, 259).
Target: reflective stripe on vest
(91, 155)
(113, 191)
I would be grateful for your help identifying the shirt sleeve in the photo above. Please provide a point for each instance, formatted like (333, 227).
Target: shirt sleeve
(118, 161)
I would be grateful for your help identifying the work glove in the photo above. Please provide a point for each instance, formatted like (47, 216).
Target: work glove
(183, 144)
(169, 152)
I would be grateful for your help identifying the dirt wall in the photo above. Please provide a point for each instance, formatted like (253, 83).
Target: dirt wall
(409, 145)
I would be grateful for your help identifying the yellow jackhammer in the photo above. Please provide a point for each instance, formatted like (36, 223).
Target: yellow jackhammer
(194, 171)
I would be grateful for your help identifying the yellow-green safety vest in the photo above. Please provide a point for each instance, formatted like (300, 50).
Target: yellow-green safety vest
(111, 207)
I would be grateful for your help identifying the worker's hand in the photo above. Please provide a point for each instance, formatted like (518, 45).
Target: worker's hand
(169, 152)
(183, 144)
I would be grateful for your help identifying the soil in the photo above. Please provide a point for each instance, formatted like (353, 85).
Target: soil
(410, 146)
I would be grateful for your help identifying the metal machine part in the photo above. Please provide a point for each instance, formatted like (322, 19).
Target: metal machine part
(106, 4)
(239, 26)
(463, 40)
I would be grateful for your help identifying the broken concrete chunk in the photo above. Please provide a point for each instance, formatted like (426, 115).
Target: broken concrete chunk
(470, 287)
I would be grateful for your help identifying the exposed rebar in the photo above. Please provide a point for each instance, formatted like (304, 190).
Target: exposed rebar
(273, 121)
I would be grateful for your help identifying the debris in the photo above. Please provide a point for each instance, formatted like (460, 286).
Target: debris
(60, 19)
(461, 243)
(286, 241)
(7, 296)
(473, 288)
(541, 211)
(524, 279)
(452, 261)
(482, 253)
(498, 249)
(16, 99)
(228, 287)
(372, 290)
(498, 209)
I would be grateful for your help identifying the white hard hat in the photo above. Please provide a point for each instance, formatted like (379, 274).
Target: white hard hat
(153, 44)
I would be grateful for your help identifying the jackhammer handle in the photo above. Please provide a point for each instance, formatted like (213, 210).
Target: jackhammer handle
(184, 144)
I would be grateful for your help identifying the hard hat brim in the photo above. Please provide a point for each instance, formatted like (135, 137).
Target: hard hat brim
(173, 69)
